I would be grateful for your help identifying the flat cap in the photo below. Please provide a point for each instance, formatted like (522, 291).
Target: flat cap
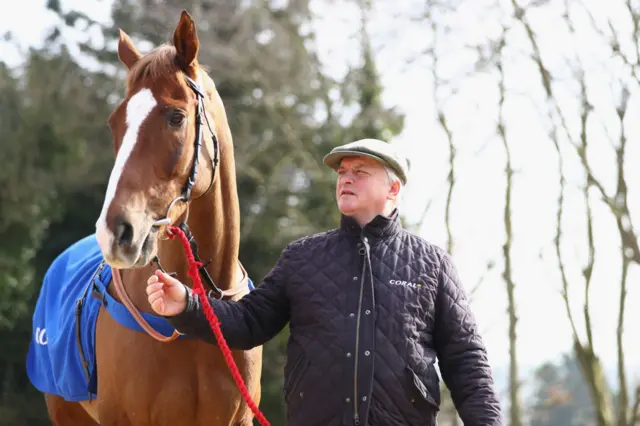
(379, 150)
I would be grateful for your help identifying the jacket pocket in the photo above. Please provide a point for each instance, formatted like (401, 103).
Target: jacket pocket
(424, 393)
(295, 376)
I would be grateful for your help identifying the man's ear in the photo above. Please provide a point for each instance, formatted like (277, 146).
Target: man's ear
(394, 190)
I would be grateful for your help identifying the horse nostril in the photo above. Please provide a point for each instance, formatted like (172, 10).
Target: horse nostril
(124, 231)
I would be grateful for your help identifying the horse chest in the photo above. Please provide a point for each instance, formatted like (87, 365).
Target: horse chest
(184, 383)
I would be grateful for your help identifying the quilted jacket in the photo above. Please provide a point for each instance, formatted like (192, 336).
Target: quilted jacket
(370, 310)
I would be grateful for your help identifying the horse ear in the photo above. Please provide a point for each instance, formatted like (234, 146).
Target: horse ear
(127, 52)
(186, 40)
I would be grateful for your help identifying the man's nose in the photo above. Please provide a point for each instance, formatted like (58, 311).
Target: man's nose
(346, 177)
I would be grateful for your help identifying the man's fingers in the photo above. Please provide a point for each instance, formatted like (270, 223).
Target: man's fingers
(166, 278)
(152, 288)
(158, 305)
(158, 286)
(155, 295)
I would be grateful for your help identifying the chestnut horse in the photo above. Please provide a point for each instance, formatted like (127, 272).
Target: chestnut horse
(167, 140)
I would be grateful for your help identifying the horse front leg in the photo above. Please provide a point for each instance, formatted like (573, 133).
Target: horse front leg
(65, 413)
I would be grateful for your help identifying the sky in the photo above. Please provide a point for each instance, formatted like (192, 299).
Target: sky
(478, 199)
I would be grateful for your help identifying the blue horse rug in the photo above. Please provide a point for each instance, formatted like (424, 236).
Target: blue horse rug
(61, 358)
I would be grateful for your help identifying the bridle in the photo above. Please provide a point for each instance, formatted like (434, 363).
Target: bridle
(191, 179)
(185, 197)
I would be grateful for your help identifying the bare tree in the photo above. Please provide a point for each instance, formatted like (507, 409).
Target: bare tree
(570, 123)
(515, 411)
(592, 368)
(442, 92)
(449, 410)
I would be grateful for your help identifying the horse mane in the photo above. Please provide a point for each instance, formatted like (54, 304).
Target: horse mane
(160, 61)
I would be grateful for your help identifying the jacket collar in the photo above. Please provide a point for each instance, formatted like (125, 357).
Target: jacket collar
(380, 227)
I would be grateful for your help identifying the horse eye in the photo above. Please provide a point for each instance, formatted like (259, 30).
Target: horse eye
(175, 118)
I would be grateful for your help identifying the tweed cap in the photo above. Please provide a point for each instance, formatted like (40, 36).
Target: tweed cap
(379, 150)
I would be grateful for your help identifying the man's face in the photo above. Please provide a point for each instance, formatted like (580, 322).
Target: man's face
(363, 186)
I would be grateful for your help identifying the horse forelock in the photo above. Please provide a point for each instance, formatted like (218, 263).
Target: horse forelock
(160, 62)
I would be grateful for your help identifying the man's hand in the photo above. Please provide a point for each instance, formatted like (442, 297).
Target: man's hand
(167, 296)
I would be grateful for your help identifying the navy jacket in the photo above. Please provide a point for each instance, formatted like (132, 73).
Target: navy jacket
(370, 311)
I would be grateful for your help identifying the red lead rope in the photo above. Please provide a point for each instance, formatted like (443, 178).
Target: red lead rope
(215, 323)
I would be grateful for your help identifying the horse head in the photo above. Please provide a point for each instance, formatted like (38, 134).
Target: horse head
(159, 137)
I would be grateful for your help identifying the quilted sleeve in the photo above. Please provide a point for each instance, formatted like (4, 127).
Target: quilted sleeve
(248, 322)
(462, 356)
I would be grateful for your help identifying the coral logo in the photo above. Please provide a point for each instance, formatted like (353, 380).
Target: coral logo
(406, 283)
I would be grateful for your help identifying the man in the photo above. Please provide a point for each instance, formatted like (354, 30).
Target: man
(370, 308)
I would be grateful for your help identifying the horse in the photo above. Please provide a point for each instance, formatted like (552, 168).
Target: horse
(171, 117)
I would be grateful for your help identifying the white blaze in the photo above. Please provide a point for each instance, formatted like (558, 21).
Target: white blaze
(138, 109)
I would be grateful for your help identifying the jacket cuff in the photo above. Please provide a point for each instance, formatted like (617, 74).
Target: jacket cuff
(192, 301)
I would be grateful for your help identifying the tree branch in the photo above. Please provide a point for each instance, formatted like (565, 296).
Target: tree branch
(515, 412)
(590, 364)
(618, 203)
(587, 271)
(633, 419)
(451, 412)
(624, 417)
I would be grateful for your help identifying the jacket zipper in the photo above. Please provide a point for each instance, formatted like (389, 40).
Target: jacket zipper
(356, 416)
(293, 376)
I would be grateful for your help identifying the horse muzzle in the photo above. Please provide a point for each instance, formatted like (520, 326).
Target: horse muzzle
(127, 243)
